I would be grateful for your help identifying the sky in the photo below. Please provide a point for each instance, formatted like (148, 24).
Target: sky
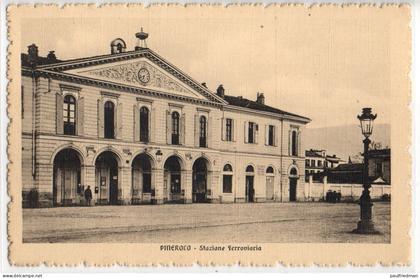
(326, 67)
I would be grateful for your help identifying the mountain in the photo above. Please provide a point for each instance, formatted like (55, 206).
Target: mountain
(344, 141)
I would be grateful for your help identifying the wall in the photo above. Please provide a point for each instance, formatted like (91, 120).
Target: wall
(317, 191)
(89, 142)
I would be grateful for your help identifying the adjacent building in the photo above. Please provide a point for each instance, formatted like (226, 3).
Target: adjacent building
(136, 129)
(317, 161)
(379, 170)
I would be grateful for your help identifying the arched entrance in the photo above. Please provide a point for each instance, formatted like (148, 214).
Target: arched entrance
(67, 188)
(269, 183)
(293, 177)
(249, 184)
(199, 189)
(141, 169)
(106, 168)
(172, 180)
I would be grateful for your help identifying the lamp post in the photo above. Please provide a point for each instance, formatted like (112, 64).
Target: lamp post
(365, 225)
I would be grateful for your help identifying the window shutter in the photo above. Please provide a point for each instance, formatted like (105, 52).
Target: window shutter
(80, 107)
(246, 132)
(290, 142)
(182, 129)
(267, 127)
(223, 129)
(209, 125)
(59, 113)
(168, 127)
(233, 131)
(118, 121)
(256, 133)
(136, 114)
(298, 138)
(276, 138)
(100, 118)
(152, 124)
(196, 130)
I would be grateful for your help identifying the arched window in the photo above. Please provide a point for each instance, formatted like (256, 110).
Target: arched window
(227, 168)
(144, 124)
(109, 120)
(227, 178)
(249, 169)
(69, 115)
(293, 172)
(269, 170)
(175, 128)
(203, 132)
(294, 143)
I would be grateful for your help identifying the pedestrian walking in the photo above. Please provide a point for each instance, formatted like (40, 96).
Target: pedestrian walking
(88, 195)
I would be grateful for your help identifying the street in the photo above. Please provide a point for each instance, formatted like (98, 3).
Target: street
(195, 223)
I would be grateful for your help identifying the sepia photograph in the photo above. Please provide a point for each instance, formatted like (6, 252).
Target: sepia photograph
(231, 132)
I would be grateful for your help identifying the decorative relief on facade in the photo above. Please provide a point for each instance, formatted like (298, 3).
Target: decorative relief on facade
(129, 73)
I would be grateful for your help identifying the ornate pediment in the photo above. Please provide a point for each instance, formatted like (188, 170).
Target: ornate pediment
(140, 73)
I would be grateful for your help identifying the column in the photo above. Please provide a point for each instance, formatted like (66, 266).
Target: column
(44, 177)
(186, 180)
(214, 182)
(125, 185)
(158, 186)
(90, 180)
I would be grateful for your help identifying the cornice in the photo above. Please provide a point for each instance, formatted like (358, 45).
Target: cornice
(265, 113)
(120, 87)
(147, 53)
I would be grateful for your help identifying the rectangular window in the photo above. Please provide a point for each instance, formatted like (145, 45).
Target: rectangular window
(252, 130)
(312, 163)
(271, 135)
(319, 163)
(69, 115)
(227, 183)
(306, 162)
(228, 130)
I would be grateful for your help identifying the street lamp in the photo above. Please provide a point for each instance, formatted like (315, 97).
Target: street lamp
(365, 225)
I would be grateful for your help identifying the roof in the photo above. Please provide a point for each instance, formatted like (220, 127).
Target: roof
(348, 167)
(380, 153)
(40, 61)
(246, 103)
(313, 153)
(343, 173)
(74, 63)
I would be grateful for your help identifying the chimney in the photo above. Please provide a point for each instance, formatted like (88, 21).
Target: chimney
(51, 56)
(221, 91)
(260, 98)
(204, 84)
(33, 54)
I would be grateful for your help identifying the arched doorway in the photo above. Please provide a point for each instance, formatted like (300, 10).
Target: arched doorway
(269, 183)
(67, 188)
(106, 168)
(293, 177)
(172, 180)
(199, 189)
(142, 189)
(249, 184)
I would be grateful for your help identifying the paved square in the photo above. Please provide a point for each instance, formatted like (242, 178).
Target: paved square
(216, 223)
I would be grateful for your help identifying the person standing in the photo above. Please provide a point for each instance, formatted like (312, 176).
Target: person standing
(88, 195)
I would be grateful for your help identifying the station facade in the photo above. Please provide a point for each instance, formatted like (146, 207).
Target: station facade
(138, 130)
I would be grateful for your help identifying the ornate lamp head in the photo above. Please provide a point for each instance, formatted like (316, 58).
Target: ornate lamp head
(366, 121)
